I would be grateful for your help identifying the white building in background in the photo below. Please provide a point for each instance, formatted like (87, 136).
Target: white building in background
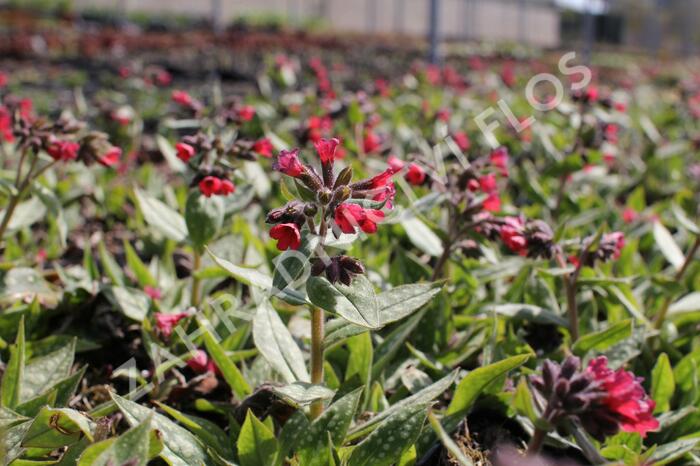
(534, 22)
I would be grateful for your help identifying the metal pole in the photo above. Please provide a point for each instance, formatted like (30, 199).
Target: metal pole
(588, 34)
(433, 31)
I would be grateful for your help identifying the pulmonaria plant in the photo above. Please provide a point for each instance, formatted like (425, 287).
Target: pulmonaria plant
(601, 400)
(333, 203)
(330, 202)
(40, 143)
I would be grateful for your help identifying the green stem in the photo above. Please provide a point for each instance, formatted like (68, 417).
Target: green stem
(661, 316)
(196, 282)
(536, 442)
(316, 356)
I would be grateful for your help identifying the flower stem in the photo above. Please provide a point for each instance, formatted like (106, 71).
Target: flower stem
(571, 305)
(661, 316)
(536, 442)
(316, 356)
(196, 282)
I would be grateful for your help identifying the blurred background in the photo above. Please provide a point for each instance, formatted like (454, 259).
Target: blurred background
(665, 27)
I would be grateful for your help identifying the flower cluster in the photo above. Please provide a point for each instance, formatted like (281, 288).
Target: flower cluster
(609, 247)
(334, 203)
(603, 401)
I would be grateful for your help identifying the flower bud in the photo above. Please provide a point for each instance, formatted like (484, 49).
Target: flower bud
(324, 196)
(344, 177)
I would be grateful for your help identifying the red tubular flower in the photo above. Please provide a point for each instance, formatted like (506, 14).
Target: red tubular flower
(263, 147)
(395, 163)
(201, 363)
(629, 215)
(152, 292)
(165, 323)
(184, 151)
(6, 125)
(210, 185)
(487, 183)
(288, 163)
(63, 150)
(326, 149)
(513, 236)
(415, 174)
(3, 79)
(371, 142)
(473, 185)
(499, 159)
(246, 113)
(287, 236)
(182, 98)
(111, 157)
(624, 397)
(492, 203)
(617, 238)
(462, 140)
(349, 216)
(227, 187)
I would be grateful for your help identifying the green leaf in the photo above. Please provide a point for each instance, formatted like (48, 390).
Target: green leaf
(663, 384)
(209, 433)
(668, 245)
(161, 217)
(131, 446)
(301, 393)
(523, 401)
(228, 369)
(14, 371)
(473, 384)
(356, 303)
(672, 451)
(180, 447)
(399, 302)
(603, 339)
(204, 217)
(688, 303)
(425, 395)
(449, 444)
(391, 438)
(291, 271)
(334, 421)
(687, 223)
(57, 427)
(291, 433)
(132, 302)
(256, 444)
(134, 262)
(277, 345)
(385, 351)
(110, 265)
(420, 235)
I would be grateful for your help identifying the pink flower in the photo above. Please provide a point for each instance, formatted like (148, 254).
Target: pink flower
(499, 159)
(617, 238)
(492, 203)
(348, 216)
(462, 140)
(473, 185)
(182, 98)
(227, 187)
(371, 142)
(6, 125)
(288, 163)
(487, 183)
(325, 148)
(163, 78)
(382, 187)
(111, 157)
(63, 150)
(184, 151)
(3, 79)
(201, 363)
(263, 147)
(629, 215)
(513, 236)
(625, 397)
(415, 174)
(209, 186)
(443, 115)
(246, 112)
(395, 163)
(152, 292)
(165, 323)
(287, 236)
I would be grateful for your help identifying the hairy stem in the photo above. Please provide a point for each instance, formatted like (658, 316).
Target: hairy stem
(196, 282)
(316, 356)
(536, 441)
(571, 305)
(661, 316)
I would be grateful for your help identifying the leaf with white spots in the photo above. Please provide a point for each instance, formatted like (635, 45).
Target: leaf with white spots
(392, 437)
